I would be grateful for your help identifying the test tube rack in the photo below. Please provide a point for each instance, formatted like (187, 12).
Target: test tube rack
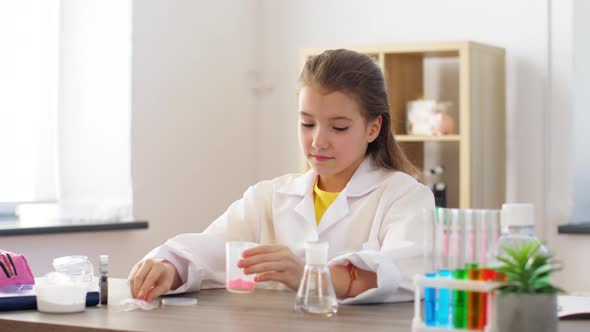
(421, 281)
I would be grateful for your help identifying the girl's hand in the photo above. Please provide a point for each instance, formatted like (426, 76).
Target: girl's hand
(273, 263)
(152, 277)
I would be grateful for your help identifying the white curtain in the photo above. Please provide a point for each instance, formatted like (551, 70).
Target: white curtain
(28, 99)
(95, 110)
(65, 108)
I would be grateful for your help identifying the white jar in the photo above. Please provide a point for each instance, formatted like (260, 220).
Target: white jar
(57, 293)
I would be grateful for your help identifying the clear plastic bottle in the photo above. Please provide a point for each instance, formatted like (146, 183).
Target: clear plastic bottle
(316, 293)
(518, 226)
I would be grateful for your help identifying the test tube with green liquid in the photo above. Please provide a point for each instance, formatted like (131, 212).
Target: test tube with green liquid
(460, 302)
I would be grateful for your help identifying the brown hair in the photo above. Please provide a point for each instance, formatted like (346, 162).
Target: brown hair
(359, 76)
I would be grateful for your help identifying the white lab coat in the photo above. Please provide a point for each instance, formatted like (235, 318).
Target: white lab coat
(374, 223)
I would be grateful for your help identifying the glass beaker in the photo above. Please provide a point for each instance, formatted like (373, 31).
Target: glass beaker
(316, 293)
(77, 267)
(235, 279)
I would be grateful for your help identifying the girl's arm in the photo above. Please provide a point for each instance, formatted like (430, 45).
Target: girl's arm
(387, 267)
(341, 280)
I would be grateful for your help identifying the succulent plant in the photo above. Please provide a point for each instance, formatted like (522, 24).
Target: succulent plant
(527, 271)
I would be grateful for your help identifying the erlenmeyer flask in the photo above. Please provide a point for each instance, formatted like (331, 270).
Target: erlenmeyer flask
(316, 293)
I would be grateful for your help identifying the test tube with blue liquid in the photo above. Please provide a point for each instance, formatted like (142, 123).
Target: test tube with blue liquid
(444, 295)
(431, 249)
(430, 303)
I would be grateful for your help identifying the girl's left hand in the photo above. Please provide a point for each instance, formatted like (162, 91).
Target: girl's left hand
(273, 262)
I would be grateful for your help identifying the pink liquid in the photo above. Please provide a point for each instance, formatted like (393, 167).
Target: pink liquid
(240, 284)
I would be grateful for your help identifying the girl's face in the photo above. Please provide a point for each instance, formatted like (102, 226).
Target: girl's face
(333, 133)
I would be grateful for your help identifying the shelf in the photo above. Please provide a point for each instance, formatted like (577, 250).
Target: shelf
(417, 138)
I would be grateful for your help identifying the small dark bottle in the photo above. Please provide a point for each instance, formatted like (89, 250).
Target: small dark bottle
(104, 279)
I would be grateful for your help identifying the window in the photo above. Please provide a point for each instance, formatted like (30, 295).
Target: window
(28, 101)
(581, 114)
(65, 108)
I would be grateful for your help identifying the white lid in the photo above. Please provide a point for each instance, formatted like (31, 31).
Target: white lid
(517, 214)
(104, 264)
(316, 253)
(179, 301)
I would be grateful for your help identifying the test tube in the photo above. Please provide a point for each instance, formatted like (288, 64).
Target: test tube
(493, 229)
(444, 298)
(473, 298)
(486, 275)
(468, 237)
(431, 251)
(443, 303)
(476, 307)
(429, 244)
(460, 302)
(430, 303)
(480, 238)
(490, 223)
(459, 311)
(454, 252)
(440, 242)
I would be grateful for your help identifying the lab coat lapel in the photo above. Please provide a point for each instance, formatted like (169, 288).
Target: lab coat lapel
(301, 186)
(364, 180)
(335, 212)
(306, 209)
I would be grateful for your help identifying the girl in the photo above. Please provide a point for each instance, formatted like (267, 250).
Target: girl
(358, 196)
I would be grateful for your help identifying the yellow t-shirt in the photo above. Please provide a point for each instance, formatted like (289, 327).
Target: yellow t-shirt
(321, 201)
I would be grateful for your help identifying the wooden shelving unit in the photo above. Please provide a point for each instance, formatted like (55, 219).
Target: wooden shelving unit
(479, 170)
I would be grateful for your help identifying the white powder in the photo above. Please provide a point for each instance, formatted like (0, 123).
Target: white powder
(53, 307)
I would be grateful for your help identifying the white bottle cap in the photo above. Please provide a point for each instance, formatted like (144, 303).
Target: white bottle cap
(316, 253)
(104, 260)
(517, 214)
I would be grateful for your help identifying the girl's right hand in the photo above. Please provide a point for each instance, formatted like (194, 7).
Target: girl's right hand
(151, 278)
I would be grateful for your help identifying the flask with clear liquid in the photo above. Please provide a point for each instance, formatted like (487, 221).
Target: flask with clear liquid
(316, 293)
(518, 227)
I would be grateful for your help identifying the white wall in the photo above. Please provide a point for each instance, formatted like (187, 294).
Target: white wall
(193, 125)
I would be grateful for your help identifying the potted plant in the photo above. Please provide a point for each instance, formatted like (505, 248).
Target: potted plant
(526, 301)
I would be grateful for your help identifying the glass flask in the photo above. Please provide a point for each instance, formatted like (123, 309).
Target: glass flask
(316, 293)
